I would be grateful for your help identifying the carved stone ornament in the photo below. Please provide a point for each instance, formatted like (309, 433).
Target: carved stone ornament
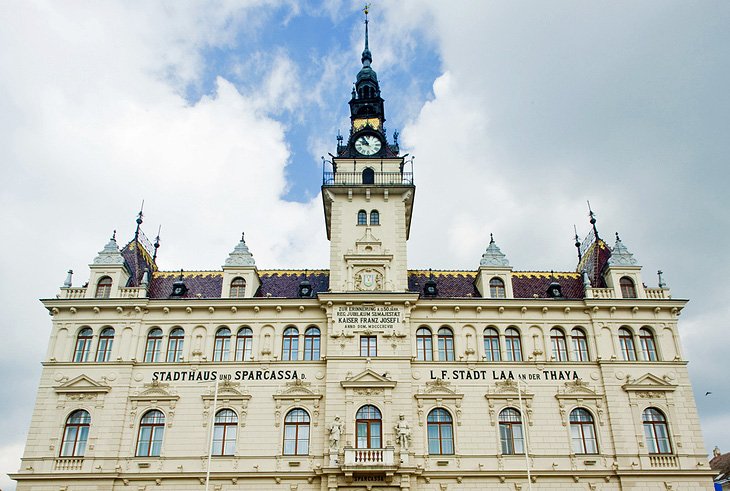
(229, 395)
(80, 389)
(508, 393)
(110, 254)
(155, 394)
(579, 393)
(240, 256)
(438, 393)
(297, 392)
(368, 280)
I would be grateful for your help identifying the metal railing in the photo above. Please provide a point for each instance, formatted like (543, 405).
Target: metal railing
(378, 179)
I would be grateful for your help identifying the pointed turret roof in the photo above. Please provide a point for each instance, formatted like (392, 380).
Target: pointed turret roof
(240, 256)
(111, 254)
(493, 256)
(620, 255)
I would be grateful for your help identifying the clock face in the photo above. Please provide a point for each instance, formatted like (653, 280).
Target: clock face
(368, 145)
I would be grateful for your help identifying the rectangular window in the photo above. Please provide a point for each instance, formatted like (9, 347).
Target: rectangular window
(369, 346)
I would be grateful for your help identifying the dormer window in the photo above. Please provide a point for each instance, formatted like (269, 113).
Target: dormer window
(496, 288)
(628, 289)
(362, 217)
(104, 287)
(238, 288)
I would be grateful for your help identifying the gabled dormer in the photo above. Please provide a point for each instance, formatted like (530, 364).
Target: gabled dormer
(494, 277)
(623, 273)
(109, 272)
(240, 275)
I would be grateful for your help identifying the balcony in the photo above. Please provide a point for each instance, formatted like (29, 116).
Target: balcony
(368, 457)
(374, 179)
(663, 461)
(68, 464)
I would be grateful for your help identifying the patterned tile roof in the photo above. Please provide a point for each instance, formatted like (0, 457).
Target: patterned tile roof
(285, 283)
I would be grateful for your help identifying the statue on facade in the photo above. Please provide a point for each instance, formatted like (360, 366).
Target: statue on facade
(335, 430)
(403, 432)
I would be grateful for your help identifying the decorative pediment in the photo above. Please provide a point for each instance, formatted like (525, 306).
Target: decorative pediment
(228, 392)
(154, 392)
(81, 385)
(438, 391)
(298, 392)
(368, 379)
(648, 383)
(577, 389)
(508, 393)
(368, 244)
(579, 393)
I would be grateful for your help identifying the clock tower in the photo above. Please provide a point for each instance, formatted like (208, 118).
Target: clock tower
(368, 191)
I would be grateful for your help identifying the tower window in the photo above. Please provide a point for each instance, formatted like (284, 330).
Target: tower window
(362, 217)
(369, 346)
(368, 176)
(496, 288)
(628, 290)
(374, 217)
(238, 288)
(104, 287)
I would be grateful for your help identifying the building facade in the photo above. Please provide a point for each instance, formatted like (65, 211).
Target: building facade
(368, 375)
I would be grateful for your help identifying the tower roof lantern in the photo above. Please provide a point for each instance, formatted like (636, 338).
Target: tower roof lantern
(493, 256)
(240, 256)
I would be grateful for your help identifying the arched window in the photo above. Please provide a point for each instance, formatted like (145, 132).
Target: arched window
(374, 217)
(626, 341)
(311, 343)
(151, 431)
(513, 344)
(648, 345)
(656, 431)
(580, 344)
(244, 344)
(104, 287)
(440, 433)
(75, 434)
(496, 288)
(175, 345)
(222, 344)
(238, 288)
(583, 432)
(368, 176)
(491, 345)
(368, 427)
(362, 217)
(424, 344)
(628, 290)
(224, 432)
(154, 344)
(560, 347)
(290, 344)
(510, 432)
(104, 349)
(83, 345)
(296, 432)
(446, 344)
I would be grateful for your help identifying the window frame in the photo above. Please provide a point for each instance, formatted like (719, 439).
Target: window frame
(155, 426)
(653, 439)
(497, 288)
(362, 217)
(490, 338)
(648, 344)
(244, 344)
(229, 425)
(238, 287)
(290, 344)
(80, 429)
(104, 287)
(175, 345)
(580, 426)
(82, 347)
(434, 421)
(559, 344)
(369, 346)
(312, 343)
(579, 343)
(304, 421)
(374, 217)
(153, 345)
(369, 423)
(507, 431)
(446, 344)
(513, 344)
(104, 345)
(424, 344)
(222, 344)
(626, 343)
(628, 287)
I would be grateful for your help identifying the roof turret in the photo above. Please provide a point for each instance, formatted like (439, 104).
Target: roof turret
(110, 254)
(620, 255)
(493, 256)
(240, 256)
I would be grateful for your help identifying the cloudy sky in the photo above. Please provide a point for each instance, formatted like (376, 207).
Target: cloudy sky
(216, 114)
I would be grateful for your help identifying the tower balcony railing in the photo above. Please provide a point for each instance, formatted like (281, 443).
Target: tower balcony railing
(375, 179)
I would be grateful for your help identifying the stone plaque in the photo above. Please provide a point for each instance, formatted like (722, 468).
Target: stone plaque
(368, 317)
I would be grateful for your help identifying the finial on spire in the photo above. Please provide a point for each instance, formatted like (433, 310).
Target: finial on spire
(661, 280)
(577, 243)
(593, 220)
(491, 238)
(69, 275)
(366, 55)
(617, 237)
(156, 244)
(114, 236)
(139, 221)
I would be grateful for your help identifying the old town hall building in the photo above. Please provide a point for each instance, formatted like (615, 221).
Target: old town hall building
(367, 375)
